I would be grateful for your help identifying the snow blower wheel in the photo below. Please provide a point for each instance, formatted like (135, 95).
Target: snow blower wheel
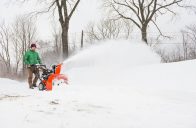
(41, 86)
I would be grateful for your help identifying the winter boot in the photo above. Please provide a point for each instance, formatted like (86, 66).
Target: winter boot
(34, 85)
(31, 87)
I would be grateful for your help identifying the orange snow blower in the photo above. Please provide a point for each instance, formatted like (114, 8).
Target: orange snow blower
(47, 76)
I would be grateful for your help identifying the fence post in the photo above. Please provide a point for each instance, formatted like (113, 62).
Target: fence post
(82, 39)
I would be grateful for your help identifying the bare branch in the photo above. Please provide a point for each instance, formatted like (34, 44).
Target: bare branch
(142, 12)
(74, 8)
(128, 18)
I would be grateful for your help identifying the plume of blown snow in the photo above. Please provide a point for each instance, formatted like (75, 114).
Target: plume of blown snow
(114, 54)
(104, 62)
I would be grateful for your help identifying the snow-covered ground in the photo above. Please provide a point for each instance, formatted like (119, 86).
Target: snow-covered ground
(118, 84)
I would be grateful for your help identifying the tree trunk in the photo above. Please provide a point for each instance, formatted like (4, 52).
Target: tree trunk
(23, 64)
(144, 33)
(65, 40)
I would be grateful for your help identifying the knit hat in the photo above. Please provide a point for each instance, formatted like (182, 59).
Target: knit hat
(33, 45)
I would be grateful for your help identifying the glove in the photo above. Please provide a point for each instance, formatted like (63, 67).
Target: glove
(33, 65)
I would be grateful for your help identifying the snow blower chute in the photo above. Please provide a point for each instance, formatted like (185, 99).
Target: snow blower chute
(47, 76)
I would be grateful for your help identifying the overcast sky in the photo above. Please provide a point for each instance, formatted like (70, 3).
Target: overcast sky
(88, 11)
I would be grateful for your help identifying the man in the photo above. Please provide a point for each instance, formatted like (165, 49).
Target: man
(31, 58)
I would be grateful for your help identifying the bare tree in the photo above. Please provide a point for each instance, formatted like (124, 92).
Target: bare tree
(17, 50)
(23, 34)
(184, 44)
(142, 12)
(169, 56)
(189, 42)
(52, 48)
(108, 29)
(57, 40)
(65, 9)
(185, 49)
(65, 14)
(5, 47)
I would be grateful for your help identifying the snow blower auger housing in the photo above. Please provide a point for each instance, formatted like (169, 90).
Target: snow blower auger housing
(47, 76)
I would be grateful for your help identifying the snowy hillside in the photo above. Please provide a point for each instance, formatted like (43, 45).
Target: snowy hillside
(112, 85)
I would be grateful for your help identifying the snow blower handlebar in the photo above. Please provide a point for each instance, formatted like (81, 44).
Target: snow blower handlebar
(56, 69)
(39, 67)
